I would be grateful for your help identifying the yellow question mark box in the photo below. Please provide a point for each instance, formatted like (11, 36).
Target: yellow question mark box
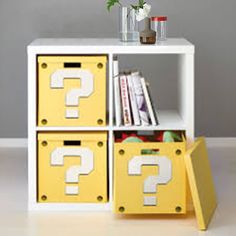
(167, 167)
(72, 90)
(72, 167)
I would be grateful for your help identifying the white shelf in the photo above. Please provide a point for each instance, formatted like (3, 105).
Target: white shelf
(168, 120)
(84, 207)
(180, 119)
(108, 46)
(63, 128)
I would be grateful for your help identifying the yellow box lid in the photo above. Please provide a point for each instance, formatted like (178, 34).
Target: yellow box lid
(201, 183)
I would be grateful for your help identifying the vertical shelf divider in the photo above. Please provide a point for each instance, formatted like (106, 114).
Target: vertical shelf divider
(186, 92)
(110, 132)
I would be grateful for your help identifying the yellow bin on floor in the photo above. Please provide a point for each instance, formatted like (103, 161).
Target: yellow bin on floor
(72, 167)
(150, 183)
(72, 90)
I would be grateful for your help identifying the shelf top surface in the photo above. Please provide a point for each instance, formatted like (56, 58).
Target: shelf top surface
(111, 45)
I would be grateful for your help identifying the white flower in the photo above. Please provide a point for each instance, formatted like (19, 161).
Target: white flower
(142, 13)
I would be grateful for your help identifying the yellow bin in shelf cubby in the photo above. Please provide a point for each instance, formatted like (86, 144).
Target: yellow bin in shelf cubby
(72, 167)
(150, 183)
(72, 90)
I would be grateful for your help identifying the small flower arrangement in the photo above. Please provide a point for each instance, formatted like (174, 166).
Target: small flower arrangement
(142, 9)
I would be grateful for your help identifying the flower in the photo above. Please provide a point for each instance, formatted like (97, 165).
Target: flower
(142, 13)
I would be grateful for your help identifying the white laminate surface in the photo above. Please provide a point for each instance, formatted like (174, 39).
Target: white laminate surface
(108, 45)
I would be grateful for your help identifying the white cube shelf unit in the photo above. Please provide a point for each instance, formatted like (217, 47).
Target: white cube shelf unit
(180, 119)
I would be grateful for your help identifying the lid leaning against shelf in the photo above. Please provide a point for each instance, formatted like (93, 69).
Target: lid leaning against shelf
(201, 183)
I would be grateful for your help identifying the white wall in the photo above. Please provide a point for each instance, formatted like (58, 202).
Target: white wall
(209, 24)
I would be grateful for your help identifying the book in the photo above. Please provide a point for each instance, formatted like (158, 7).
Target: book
(148, 102)
(153, 104)
(117, 98)
(142, 108)
(133, 102)
(125, 101)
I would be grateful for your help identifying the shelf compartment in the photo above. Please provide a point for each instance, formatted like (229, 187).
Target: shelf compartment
(72, 167)
(133, 191)
(69, 89)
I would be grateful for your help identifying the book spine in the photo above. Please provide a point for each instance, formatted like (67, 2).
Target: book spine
(142, 108)
(125, 101)
(148, 102)
(133, 102)
(117, 98)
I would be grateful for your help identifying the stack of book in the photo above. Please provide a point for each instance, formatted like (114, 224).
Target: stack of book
(132, 99)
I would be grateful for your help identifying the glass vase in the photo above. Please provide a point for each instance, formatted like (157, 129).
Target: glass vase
(128, 25)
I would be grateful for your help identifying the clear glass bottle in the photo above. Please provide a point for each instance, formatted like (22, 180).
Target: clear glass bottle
(159, 24)
(128, 25)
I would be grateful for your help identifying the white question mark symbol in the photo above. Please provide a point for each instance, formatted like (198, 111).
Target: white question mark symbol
(72, 174)
(150, 184)
(72, 97)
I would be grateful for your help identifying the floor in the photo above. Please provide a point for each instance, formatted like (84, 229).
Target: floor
(15, 220)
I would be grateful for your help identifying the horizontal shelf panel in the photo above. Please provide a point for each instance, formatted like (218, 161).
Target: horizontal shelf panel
(108, 45)
(70, 207)
(168, 120)
(64, 128)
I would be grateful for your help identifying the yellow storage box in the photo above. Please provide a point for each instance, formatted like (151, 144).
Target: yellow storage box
(72, 167)
(150, 183)
(72, 90)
